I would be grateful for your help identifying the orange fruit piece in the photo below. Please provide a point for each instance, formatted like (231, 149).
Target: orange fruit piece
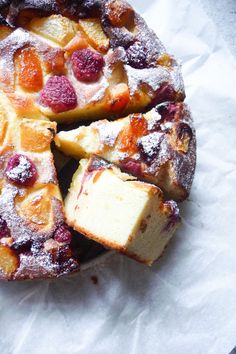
(30, 73)
(9, 261)
(119, 98)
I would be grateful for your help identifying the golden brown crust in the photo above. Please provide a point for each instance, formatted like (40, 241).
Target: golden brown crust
(108, 244)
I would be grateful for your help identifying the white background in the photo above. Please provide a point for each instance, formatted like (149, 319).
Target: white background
(186, 303)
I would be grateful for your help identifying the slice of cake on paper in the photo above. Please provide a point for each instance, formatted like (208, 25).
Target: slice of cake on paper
(118, 211)
(158, 147)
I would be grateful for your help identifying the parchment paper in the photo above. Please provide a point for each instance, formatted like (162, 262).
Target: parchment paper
(186, 303)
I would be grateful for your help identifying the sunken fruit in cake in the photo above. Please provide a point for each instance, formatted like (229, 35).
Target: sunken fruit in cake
(66, 62)
(120, 212)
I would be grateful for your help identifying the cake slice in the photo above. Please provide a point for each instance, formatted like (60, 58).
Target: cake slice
(118, 211)
(34, 239)
(159, 146)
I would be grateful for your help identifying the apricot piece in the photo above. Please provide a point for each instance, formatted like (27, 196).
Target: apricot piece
(119, 97)
(36, 135)
(119, 13)
(77, 43)
(30, 75)
(9, 261)
(57, 28)
(94, 32)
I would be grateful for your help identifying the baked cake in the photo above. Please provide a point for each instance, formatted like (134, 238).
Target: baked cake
(85, 60)
(158, 146)
(120, 212)
(67, 61)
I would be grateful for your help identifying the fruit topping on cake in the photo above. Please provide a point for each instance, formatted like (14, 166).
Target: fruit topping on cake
(85, 61)
(58, 94)
(71, 61)
(21, 170)
(158, 146)
(87, 65)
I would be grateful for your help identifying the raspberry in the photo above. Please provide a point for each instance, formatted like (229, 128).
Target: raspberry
(149, 146)
(58, 94)
(133, 167)
(167, 110)
(87, 65)
(4, 231)
(137, 56)
(63, 235)
(21, 171)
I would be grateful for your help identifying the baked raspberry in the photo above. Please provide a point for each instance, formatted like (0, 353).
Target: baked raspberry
(4, 231)
(23, 246)
(150, 145)
(87, 65)
(167, 110)
(58, 94)
(63, 235)
(21, 171)
(132, 166)
(137, 56)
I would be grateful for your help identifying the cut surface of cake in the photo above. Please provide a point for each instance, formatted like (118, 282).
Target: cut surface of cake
(118, 211)
(34, 238)
(84, 60)
(159, 146)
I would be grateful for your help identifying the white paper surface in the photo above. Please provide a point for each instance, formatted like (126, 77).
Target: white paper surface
(186, 303)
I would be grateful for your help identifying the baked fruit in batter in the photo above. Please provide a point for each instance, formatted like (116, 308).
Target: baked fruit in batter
(68, 61)
(158, 147)
(85, 60)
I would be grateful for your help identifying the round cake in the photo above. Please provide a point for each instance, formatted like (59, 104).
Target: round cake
(81, 65)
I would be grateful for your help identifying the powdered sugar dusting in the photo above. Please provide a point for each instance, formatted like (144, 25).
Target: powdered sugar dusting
(22, 171)
(151, 143)
(177, 79)
(155, 118)
(153, 77)
(108, 132)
